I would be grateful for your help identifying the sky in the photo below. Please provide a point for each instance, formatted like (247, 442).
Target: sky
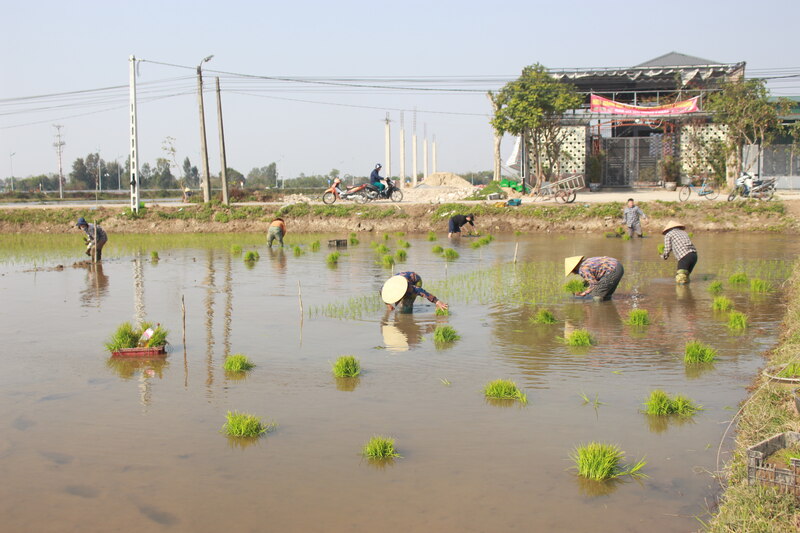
(50, 48)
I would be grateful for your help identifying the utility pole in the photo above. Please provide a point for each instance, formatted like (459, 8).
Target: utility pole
(434, 154)
(11, 158)
(414, 150)
(388, 148)
(424, 151)
(59, 144)
(223, 174)
(402, 151)
(206, 180)
(134, 152)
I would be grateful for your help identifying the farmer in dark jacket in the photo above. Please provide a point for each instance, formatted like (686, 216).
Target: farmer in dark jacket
(454, 226)
(375, 178)
(97, 238)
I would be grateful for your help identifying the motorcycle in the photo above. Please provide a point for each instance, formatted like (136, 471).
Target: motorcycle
(748, 187)
(335, 192)
(390, 192)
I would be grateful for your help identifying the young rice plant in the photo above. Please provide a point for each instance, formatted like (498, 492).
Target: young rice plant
(660, 403)
(445, 335)
(503, 389)
(715, 287)
(600, 461)
(721, 303)
(697, 352)
(737, 321)
(237, 363)
(380, 448)
(543, 316)
(244, 425)
(346, 366)
(579, 337)
(638, 317)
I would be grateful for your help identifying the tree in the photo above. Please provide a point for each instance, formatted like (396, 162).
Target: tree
(234, 177)
(191, 176)
(533, 106)
(744, 107)
(80, 178)
(162, 177)
(263, 177)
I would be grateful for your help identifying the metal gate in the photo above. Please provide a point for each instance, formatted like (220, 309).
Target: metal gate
(632, 161)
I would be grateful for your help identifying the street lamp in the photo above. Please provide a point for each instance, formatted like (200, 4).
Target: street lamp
(11, 157)
(203, 144)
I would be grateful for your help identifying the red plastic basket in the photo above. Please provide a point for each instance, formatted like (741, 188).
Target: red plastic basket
(151, 351)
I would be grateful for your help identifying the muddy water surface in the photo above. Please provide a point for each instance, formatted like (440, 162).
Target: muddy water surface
(92, 444)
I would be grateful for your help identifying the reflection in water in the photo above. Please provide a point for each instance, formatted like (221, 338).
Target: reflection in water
(502, 402)
(96, 283)
(347, 384)
(403, 331)
(209, 301)
(694, 371)
(147, 369)
(243, 442)
(138, 288)
(278, 258)
(380, 464)
(593, 489)
(228, 289)
(660, 424)
(236, 376)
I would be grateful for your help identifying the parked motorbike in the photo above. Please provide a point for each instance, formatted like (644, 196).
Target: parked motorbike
(747, 186)
(390, 192)
(335, 192)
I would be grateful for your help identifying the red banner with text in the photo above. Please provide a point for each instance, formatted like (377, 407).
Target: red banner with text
(604, 105)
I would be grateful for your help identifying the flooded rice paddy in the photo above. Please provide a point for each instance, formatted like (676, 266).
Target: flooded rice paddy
(89, 443)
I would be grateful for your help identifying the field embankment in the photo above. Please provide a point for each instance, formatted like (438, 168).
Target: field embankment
(768, 411)
(304, 218)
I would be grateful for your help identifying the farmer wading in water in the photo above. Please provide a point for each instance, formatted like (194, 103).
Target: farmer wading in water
(602, 273)
(402, 289)
(677, 241)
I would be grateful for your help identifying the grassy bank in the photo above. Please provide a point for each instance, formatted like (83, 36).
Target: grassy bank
(768, 411)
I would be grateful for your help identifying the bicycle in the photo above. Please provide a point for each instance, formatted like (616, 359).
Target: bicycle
(705, 189)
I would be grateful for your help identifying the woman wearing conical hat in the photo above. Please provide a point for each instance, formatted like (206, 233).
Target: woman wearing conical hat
(403, 288)
(602, 273)
(677, 242)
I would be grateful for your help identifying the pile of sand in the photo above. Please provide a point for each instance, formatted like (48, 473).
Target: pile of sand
(446, 179)
(297, 199)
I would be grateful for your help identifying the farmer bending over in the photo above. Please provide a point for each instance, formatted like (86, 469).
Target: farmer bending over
(630, 217)
(455, 223)
(402, 289)
(97, 238)
(677, 240)
(277, 229)
(602, 273)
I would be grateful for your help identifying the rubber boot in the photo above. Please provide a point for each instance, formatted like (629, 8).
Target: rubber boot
(682, 277)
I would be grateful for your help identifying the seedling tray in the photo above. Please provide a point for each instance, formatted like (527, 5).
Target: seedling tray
(151, 351)
(758, 471)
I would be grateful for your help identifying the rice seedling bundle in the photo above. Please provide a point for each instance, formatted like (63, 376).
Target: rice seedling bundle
(298, 251)
(626, 237)
(437, 249)
(346, 366)
(600, 461)
(759, 286)
(154, 256)
(543, 316)
(431, 236)
(638, 317)
(721, 303)
(387, 261)
(236, 249)
(399, 233)
(353, 239)
(382, 249)
(661, 248)
(441, 312)
(740, 278)
(400, 255)
(579, 337)
(127, 336)
(237, 363)
(574, 285)
(697, 352)
(380, 447)
(244, 425)
(315, 246)
(715, 287)
(503, 389)
(660, 403)
(445, 335)
(450, 254)
(403, 244)
(333, 258)
(737, 321)
(251, 256)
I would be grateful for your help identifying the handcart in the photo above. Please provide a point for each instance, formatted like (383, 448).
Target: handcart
(563, 190)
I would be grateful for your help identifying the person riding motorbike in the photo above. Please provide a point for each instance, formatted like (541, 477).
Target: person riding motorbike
(375, 178)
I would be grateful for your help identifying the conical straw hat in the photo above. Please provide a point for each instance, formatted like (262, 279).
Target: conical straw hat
(672, 224)
(394, 289)
(571, 262)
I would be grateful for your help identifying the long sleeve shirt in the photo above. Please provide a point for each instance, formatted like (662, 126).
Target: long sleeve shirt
(375, 177)
(279, 224)
(593, 269)
(461, 220)
(630, 215)
(413, 280)
(101, 235)
(677, 241)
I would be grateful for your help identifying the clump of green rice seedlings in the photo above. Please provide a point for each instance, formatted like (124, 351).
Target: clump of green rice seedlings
(610, 235)
(476, 244)
(237, 363)
(442, 312)
(244, 425)
(579, 337)
(154, 256)
(251, 256)
(575, 285)
(399, 233)
(346, 366)
(400, 255)
(385, 236)
(403, 244)
(660, 403)
(445, 335)
(620, 231)
(517, 233)
(437, 249)
(740, 278)
(715, 287)
(504, 389)
(660, 248)
(353, 239)
(697, 352)
(543, 316)
(759, 286)
(128, 336)
(431, 236)
(298, 251)
(626, 237)
(314, 246)
(333, 258)
(387, 261)
(600, 461)
(236, 249)
(483, 241)
(450, 255)
(721, 303)
(382, 249)
(380, 448)
(737, 321)
(792, 370)
(638, 317)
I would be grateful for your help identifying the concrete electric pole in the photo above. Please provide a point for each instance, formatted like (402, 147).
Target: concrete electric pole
(223, 174)
(414, 150)
(388, 148)
(206, 178)
(59, 144)
(402, 150)
(134, 153)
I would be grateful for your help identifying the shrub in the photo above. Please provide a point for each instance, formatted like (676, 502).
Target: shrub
(660, 403)
(579, 337)
(503, 389)
(380, 447)
(697, 352)
(638, 317)
(244, 425)
(445, 335)
(721, 303)
(600, 461)
(237, 363)
(715, 287)
(740, 278)
(543, 316)
(346, 366)
(737, 321)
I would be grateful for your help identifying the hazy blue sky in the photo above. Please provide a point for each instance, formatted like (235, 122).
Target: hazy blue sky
(53, 47)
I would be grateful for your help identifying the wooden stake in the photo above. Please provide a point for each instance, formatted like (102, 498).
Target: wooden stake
(300, 297)
(183, 316)
(516, 247)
